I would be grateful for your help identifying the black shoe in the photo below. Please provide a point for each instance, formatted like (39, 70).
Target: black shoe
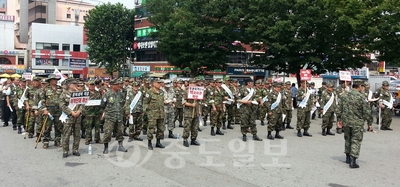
(105, 148)
(51, 139)
(212, 131)
(219, 132)
(138, 139)
(323, 132)
(269, 136)
(180, 124)
(223, 126)
(198, 129)
(389, 129)
(256, 138)
(313, 116)
(283, 127)
(14, 127)
(305, 133)
(262, 123)
(30, 135)
(5, 125)
(19, 130)
(171, 135)
(347, 158)
(83, 136)
(130, 139)
(144, 132)
(244, 138)
(56, 144)
(194, 142)
(339, 130)
(277, 136)
(126, 134)
(289, 127)
(113, 135)
(328, 132)
(205, 123)
(353, 163)
(76, 153)
(121, 147)
(149, 145)
(159, 145)
(299, 133)
(229, 126)
(101, 130)
(65, 154)
(185, 143)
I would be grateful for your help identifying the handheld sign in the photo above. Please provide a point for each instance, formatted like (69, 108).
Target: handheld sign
(79, 98)
(196, 93)
(345, 76)
(305, 74)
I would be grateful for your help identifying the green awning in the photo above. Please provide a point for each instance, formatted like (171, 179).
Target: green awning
(137, 74)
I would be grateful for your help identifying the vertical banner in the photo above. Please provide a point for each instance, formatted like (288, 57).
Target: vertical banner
(381, 67)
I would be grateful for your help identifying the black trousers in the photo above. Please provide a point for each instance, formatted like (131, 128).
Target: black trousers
(6, 112)
(294, 102)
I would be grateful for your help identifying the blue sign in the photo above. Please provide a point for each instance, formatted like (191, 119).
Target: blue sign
(77, 63)
(245, 71)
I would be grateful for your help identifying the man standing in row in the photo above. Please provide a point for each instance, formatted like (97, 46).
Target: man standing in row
(92, 115)
(304, 109)
(169, 107)
(30, 102)
(179, 94)
(134, 107)
(288, 106)
(191, 112)
(328, 107)
(275, 111)
(20, 109)
(218, 96)
(386, 106)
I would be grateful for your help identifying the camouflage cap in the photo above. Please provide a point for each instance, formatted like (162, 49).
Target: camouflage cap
(367, 84)
(179, 81)
(158, 80)
(135, 83)
(277, 84)
(44, 81)
(52, 76)
(385, 83)
(22, 79)
(192, 81)
(359, 82)
(259, 81)
(234, 80)
(324, 83)
(36, 79)
(125, 79)
(329, 85)
(91, 82)
(146, 80)
(288, 83)
(218, 81)
(312, 83)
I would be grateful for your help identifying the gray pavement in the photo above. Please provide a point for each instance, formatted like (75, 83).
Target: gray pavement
(219, 161)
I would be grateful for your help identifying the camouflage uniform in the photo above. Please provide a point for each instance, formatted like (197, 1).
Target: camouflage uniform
(137, 113)
(370, 117)
(387, 111)
(328, 117)
(32, 102)
(153, 105)
(112, 103)
(340, 91)
(92, 115)
(207, 106)
(72, 124)
(52, 103)
(179, 94)
(39, 96)
(288, 106)
(275, 109)
(262, 109)
(247, 117)
(191, 120)
(217, 98)
(169, 95)
(352, 112)
(21, 112)
(230, 108)
(144, 90)
(13, 114)
(303, 114)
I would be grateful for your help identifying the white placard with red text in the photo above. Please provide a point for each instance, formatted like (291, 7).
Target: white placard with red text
(305, 75)
(27, 76)
(196, 93)
(79, 98)
(345, 75)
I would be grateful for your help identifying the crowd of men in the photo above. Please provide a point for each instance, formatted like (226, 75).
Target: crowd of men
(147, 107)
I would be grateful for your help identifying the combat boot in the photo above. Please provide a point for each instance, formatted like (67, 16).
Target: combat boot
(149, 145)
(45, 145)
(262, 123)
(229, 125)
(83, 136)
(198, 129)
(223, 126)
(30, 135)
(14, 127)
(185, 143)
(144, 131)
(205, 122)
(353, 163)
(212, 131)
(219, 132)
(56, 143)
(277, 136)
(339, 130)
(299, 133)
(19, 130)
(305, 133)
(121, 147)
(76, 153)
(194, 142)
(126, 134)
(256, 138)
(113, 134)
(283, 126)
(389, 129)
(138, 139)
(5, 124)
(130, 139)
(347, 158)
(288, 126)
(159, 145)
(244, 138)
(180, 124)
(171, 135)
(65, 154)
(313, 116)
(269, 136)
(323, 132)
(101, 129)
(328, 132)
(105, 148)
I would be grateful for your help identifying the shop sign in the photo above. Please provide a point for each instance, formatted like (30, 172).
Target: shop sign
(245, 71)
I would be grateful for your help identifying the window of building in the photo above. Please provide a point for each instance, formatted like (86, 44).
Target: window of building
(65, 62)
(65, 47)
(77, 47)
(84, 18)
(47, 46)
(68, 15)
(47, 62)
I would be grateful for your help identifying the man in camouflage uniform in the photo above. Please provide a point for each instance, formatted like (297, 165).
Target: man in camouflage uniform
(275, 109)
(153, 105)
(19, 91)
(386, 106)
(328, 104)
(31, 106)
(206, 105)
(73, 122)
(169, 107)
(50, 107)
(305, 98)
(340, 90)
(92, 115)
(235, 90)
(246, 108)
(320, 91)
(191, 115)
(229, 107)
(39, 94)
(261, 94)
(287, 105)
(315, 98)
(370, 98)
(126, 88)
(10, 101)
(144, 89)
(179, 94)
(137, 112)
(112, 103)
(217, 97)
(352, 112)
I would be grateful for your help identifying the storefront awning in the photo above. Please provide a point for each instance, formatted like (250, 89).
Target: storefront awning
(157, 74)
(137, 74)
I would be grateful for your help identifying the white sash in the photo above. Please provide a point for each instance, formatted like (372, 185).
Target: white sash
(303, 103)
(265, 99)
(227, 90)
(370, 97)
(276, 103)
(389, 104)
(328, 104)
(22, 99)
(135, 100)
(248, 96)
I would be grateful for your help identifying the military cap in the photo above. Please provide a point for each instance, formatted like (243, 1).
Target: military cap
(218, 81)
(259, 81)
(234, 80)
(192, 81)
(135, 83)
(36, 79)
(359, 82)
(324, 83)
(114, 82)
(329, 85)
(180, 81)
(158, 80)
(43, 81)
(22, 79)
(52, 76)
(312, 83)
(287, 83)
(175, 81)
(385, 83)
(125, 79)
(146, 80)
(277, 84)
(91, 82)
(367, 84)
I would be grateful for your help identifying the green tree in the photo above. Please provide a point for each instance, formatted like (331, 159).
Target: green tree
(196, 33)
(110, 31)
(321, 34)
